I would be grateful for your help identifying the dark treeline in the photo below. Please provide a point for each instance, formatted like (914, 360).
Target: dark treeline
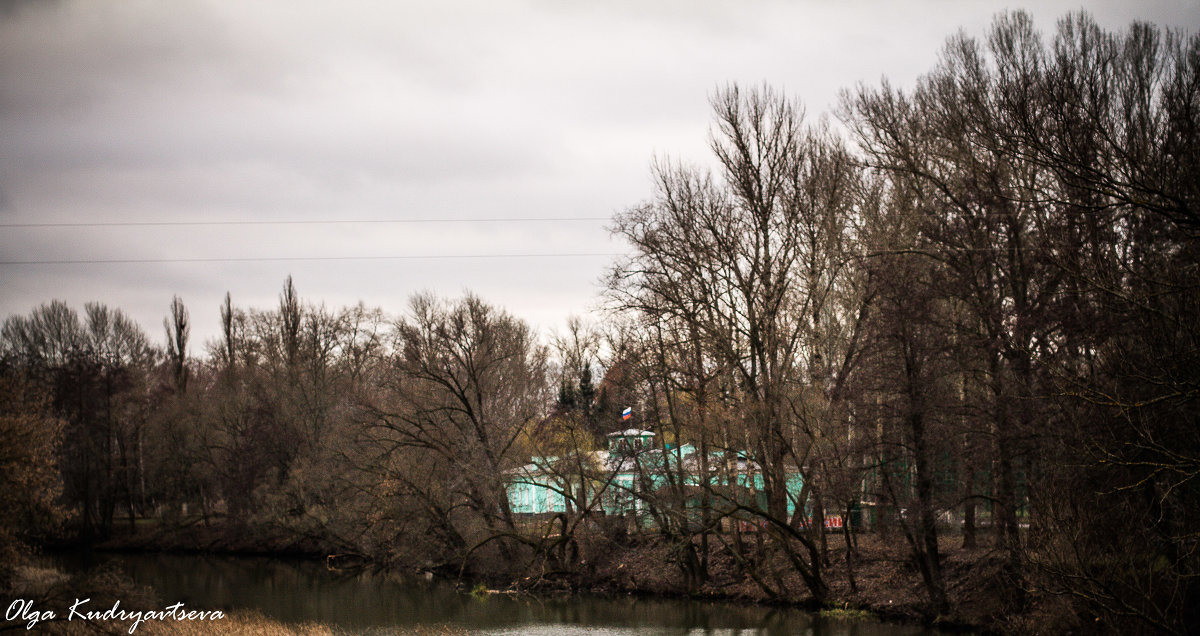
(968, 316)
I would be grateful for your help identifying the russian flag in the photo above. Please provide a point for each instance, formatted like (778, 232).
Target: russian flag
(626, 414)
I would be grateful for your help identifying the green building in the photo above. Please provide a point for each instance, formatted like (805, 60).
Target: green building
(634, 473)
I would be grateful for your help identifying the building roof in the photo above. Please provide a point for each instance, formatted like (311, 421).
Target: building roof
(631, 432)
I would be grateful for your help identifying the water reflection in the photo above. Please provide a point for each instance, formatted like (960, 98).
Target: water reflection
(367, 602)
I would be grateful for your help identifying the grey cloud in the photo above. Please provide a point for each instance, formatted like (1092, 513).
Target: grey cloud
(196, 109)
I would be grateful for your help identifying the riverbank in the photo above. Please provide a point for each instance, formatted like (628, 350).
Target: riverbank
(881, 585)
(644, 566)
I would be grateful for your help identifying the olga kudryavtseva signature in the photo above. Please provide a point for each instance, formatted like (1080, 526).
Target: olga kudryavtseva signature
(23, 610)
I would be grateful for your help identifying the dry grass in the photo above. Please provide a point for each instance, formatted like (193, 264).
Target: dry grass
(30, 581)
(248, 623)
(255, 624)
(251, 624)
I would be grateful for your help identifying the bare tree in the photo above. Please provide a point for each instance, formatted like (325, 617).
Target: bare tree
(178, 330)
(1057, 184)
(466, 381)
(749, 272)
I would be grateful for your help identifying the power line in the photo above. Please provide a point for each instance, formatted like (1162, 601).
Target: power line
(305, 222)
(920, 250)
(267, 259)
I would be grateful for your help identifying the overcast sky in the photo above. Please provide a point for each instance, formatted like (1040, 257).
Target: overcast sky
(228, 111)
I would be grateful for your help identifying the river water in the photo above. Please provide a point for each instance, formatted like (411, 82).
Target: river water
(366, 602)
